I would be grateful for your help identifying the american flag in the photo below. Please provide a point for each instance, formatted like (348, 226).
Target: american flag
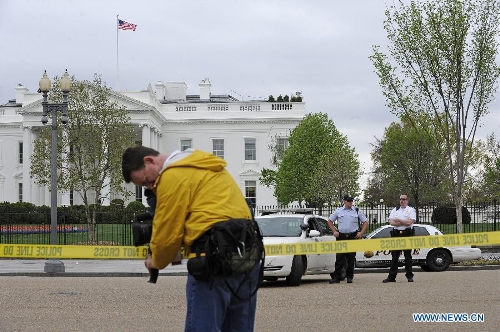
(122, 25)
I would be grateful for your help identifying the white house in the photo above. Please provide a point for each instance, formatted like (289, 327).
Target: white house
(165, 118)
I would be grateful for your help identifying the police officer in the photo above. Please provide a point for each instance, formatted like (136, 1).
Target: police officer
(402, 218)
(348, 219)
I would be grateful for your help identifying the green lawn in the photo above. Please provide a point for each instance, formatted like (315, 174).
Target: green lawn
(105, 234)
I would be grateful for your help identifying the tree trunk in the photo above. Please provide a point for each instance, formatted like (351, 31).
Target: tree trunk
(458, 207)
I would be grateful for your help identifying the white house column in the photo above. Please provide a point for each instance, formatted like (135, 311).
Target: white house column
(153, 138)
(27, 150)
(158, 142)
(156, 139)
(36, 191)
(146, 134)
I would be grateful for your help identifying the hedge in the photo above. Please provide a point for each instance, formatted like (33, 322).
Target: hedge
(448, 215)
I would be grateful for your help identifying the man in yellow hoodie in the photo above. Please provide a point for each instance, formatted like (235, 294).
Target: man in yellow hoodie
(194, 192)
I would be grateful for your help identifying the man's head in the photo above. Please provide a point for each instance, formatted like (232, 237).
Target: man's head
(140, 166)
(403, 200)
(348, 201)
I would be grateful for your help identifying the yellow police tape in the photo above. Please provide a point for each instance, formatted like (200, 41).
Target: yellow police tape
(306, 248)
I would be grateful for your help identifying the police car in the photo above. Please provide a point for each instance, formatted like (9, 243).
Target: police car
(429, 259)
(298, 226)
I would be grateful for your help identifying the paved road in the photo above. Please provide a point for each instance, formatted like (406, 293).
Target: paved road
(131, 268)
(132, 304)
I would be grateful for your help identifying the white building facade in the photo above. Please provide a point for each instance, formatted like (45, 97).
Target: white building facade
(165, 118)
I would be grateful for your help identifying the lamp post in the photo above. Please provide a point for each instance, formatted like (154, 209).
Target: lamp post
(382, 213)
(53, 108)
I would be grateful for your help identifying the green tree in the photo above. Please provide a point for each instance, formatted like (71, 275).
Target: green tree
(375, 189)
(444, 63)
(311, 159)
(491, 173)
(411, 160)
(277, 146)
(90, 146)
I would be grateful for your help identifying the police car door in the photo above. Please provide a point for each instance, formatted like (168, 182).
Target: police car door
(314, 262)
(327, 261)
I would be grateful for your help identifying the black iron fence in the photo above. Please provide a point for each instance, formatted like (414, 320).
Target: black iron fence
(484, 217)
(115, 228)
(109, 229)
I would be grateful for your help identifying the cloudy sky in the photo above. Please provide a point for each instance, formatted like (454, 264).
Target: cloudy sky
(249, 49)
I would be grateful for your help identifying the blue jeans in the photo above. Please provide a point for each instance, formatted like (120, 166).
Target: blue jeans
(216, 308)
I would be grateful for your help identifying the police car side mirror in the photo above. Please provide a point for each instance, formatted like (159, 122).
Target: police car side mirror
(314, 233)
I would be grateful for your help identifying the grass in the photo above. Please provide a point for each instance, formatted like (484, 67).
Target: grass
(105, 234)
(480, 261)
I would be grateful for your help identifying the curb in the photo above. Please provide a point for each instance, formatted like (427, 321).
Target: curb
(88, 274)
(180, 274)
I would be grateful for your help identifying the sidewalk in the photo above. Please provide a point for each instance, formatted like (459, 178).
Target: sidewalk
(86, 267)
(135, 268)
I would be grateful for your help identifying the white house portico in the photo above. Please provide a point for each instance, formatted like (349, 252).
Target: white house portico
(166, 119)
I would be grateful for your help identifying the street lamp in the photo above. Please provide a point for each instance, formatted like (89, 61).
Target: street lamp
(53, 108)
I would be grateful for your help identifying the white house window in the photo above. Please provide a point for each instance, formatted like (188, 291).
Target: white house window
(218, 147)
(281, 145)
(20, 191)
(251, 190)
(250, 149)
(138, 193)
(185, 144)
(21, 155)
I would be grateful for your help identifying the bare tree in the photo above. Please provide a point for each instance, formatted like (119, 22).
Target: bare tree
(89, 146)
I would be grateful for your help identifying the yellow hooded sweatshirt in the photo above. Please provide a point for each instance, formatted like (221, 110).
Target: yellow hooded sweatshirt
(194, 191)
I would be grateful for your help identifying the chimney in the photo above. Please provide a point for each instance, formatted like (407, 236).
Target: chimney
(160, 90)
(20, 91)
(205, 89)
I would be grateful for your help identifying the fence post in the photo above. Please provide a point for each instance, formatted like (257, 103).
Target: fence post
(494, 214)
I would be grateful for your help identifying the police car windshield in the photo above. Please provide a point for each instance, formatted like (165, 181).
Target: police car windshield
(280, 226)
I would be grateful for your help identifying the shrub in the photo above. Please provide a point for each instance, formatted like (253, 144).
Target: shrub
(448, 215)
(117, 202)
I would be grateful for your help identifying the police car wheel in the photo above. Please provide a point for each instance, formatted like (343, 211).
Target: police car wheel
(295, 276)
(438, 260)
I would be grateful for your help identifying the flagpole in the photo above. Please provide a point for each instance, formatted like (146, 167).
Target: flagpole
(117, 68)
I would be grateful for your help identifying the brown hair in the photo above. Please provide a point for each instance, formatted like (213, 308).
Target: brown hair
(133, 160)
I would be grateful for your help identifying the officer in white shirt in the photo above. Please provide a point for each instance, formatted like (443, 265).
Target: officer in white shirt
(402, 218)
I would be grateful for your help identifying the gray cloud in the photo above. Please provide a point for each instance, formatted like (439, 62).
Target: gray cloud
(247, 48)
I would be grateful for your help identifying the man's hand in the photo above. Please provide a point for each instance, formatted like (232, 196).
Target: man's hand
(148, 263)
(153, 271)
(394, 222)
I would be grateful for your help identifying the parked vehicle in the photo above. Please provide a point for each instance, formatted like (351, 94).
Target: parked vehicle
(429, 259)
(297, 226)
